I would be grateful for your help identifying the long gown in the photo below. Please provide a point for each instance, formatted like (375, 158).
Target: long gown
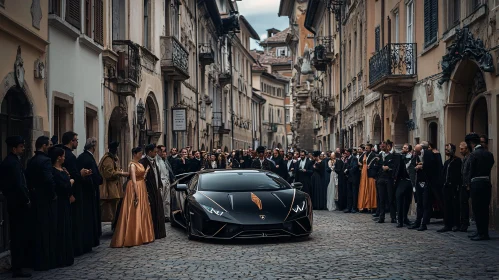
(318, 192)
(367, 188)
(134, 226)
(332, 190)
(64, 244)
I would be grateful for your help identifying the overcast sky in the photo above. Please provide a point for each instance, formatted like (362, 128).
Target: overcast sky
(262, 15)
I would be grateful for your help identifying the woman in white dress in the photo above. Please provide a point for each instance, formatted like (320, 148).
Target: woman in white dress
(332, 191)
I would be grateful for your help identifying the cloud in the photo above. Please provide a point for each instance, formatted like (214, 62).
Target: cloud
(250, 7)
(263, 36)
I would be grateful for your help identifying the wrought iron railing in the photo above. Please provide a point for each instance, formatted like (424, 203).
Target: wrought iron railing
(327, 42)
(397, 59)
(128, 69)
(174, 54)
(206, 48)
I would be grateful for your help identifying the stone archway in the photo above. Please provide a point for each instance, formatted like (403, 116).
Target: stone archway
(376, 130)
(119, 131)
(467, 107)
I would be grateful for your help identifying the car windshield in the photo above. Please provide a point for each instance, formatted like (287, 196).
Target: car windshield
(240, 182)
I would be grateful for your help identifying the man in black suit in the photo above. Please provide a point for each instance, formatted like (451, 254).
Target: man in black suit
(91, 195)
(303, 173)
(44, 199)
(385, 183)
(180, 164)
(404, 182)
(195, 164)
(291, 166)
(261, 162)
(70, 143)
(452, 181)
(153, 181)
(353, 173)
(18, 204)
(425, 166)
(479, 165)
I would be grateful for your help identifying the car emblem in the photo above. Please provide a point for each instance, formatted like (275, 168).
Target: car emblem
(256, 200)
(262, 217)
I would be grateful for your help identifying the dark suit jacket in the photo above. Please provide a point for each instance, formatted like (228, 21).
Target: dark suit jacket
(179, 167)
(388, 161)
(282, 170)
(14, 183)
(39, 176)
(86, 160)
(195, 165)
(309, 167)
(267, 164)
(451, 173)
(353, 170)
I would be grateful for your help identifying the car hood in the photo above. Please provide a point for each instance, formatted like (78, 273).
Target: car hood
(257, 207)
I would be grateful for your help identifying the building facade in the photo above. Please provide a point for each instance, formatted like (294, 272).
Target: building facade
(24, 103)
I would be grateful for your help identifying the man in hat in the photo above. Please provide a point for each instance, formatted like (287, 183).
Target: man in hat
(41, 185)
(479, 165)
(261, 162)
(111, 190)
(18, 203)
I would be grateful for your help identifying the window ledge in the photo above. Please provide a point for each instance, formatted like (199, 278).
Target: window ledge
(90, 44)
(475, 15)
(429, 48)
(63, 26)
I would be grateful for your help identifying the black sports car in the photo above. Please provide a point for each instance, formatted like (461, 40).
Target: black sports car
(227, 204)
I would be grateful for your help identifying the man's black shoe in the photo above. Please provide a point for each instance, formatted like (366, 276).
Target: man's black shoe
(347, 211)
(422, 228)
(353, 211)
(414, 226)
(463, 229)
(380, 221)
(473, 234)
(375, 215)
(394, 221)
(444, 229)
(407, 222)
(400, 225)
(375, 219)
(20, 274)
(480, 238)
(455, 229)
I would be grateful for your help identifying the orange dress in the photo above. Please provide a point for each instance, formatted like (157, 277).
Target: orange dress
(134, 226)
(367, 188)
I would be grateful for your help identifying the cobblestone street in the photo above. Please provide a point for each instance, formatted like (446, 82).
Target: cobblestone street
(343, 246)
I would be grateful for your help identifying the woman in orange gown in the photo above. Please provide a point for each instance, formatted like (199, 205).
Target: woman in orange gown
(134, 226)
(367, 187)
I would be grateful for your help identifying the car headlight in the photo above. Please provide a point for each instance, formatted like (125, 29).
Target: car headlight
(211, 210)
(299, 207)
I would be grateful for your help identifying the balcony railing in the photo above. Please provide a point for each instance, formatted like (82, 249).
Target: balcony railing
(397, 60)
(328, 43)
(224, 77)
(321, 59)
(272, 127)
(128, 67)
(206, 54)
(174, 58)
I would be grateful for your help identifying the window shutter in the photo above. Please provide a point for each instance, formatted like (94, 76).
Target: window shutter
(99, 22)
(73, 13)
(377, 38)
(427, 21)
(434, 20)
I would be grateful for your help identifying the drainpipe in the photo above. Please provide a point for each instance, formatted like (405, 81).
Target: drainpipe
(382, 95)
(231, 98)
(342, 135)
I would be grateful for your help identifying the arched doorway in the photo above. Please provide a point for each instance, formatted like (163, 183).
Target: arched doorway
(202, 147)
(376, 130)
(433, 133)
(152, 121)
(479, 117)
(16, 118)
(119, 131)
(320, 145)
(401, 131)
(279, 146)
(467, 109)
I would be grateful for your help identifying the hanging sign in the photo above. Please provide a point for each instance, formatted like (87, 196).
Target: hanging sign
(179, 119)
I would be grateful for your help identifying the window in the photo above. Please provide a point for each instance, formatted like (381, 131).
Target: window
(396, 26)
(410, 22)
(430, 21)
(474, 4)
(288, 115)
(73, 13)
(62, 116)
(454, 13)
(377, 38)
(88, 18)
(99, 21)
(281, 52)
(146, 23)
(361, 50)
(92, 127)
(55, 7)
(279, 116)
(119, 19)
(175, 18)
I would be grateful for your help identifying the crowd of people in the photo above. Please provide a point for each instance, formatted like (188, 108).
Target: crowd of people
(58, 201)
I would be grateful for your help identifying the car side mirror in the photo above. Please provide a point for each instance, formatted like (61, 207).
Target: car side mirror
(181, 187)
(297, 185)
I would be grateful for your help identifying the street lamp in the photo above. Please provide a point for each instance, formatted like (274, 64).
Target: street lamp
(141, 110)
